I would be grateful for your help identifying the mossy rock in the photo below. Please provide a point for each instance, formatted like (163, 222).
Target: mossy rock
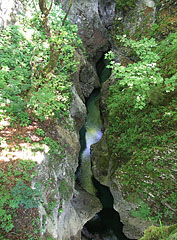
(125, 5)
(100, 161)
(161, 233)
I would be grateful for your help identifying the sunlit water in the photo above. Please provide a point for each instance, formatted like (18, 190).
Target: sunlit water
(93, 134)
(106, 224)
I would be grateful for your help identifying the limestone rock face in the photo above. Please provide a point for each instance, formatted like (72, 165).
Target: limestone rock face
(88, 79)
(9, 11)
(133, 227)
(85, 79)
(93, 19)
(91, 27)
(106, 9)
(135, 20)
(78, 109)
(142, 15)
(56, 174)
(64, 208)
(81, 208)
(100, 167)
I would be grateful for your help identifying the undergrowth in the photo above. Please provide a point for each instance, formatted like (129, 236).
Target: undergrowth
(36, 65)
(142, 120)
(18, 201)
(25, 55)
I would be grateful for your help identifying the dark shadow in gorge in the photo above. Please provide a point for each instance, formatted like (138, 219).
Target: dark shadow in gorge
(106, 224)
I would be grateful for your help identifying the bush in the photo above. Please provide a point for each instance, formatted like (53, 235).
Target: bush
(24, 78)
(141, 131)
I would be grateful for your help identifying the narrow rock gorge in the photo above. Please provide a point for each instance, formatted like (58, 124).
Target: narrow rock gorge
(81, 197)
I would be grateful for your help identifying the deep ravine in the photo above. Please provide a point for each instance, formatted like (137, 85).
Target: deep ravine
(106, 224)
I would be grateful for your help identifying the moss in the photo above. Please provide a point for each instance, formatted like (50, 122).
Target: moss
(165, 22)
(125, 5)
(48, 236)
(142, 145)
(167, 50)
(162, 232)
(65, 190)
(147, 176)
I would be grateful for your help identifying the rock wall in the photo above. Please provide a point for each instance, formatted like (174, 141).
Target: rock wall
(143, 15)
(106, 9)
(89, 15)
(9, 11)
(66, 207)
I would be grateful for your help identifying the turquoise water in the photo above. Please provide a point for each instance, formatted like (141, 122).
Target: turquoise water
(106, 224)
(92, 132)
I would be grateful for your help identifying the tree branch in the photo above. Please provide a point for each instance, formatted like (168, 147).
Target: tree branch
(34, 2)
(70, 5)
(51, 5)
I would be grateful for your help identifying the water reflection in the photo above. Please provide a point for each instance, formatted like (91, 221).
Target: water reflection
(92, 134)
(106, 224)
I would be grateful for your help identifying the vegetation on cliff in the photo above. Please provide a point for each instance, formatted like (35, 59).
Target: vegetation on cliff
(142, 120)
(36, 63)
(162, 232)
(125, 5)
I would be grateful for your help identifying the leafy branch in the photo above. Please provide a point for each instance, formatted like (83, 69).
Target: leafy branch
(38, 78)
(144, 76)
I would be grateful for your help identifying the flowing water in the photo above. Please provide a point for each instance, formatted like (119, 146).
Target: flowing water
(90, 134)
(106, 224)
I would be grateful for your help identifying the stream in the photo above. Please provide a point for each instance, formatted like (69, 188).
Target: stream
(106, 224)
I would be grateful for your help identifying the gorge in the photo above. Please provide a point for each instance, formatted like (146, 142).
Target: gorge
(105, 224)
(87, 152)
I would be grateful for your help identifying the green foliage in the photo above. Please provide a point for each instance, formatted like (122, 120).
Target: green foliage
(146, 141)
(162, 233)
(40, 132)
(15, 54)
(167, 51)
(35, 82)
(142, 77)
(65, 189)
(2, 237)
(125, 5)
(24, 195)
(52, 93)
(23, 82)
(5, 216)
(50, 206)
(55, 149)
(141, 131)
(48, 237)
(19, 194)
(142, 212)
